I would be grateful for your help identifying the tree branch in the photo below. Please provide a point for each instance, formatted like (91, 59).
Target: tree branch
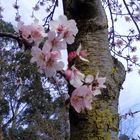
(131, 16)
(12, 36)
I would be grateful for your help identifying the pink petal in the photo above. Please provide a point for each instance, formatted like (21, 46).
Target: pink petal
(89, 79)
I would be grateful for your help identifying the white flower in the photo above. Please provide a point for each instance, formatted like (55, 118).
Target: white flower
(47, 62)
(65, 28)
(78, 52)
(38, 56)
(96, 91)
(76, 78)
(89, 79)
(95, 84)
(100, 81)
(53, 64)
(55, 42)
(98, 84)
(81, 98)
(37, 32)
(23, 30)
(33, 32)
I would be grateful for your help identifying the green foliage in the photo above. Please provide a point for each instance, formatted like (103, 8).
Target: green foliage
(6, 27)
(27, 108)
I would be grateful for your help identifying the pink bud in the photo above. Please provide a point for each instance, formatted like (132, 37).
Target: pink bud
(68, 73)
(83, 53)
(72, 55)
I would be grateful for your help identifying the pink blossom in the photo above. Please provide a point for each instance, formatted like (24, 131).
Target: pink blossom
(78, 53)
(134, 58)
(47, 62)
(81, 98)
(59, 25)
(55, 42)
(81, 53)
(100, 81)
(119, 43)
(98, 84)
(53, 63)
(68, 36)
(37, 32)
(128, 19)
(23, 30)
(31, 32)
(76, 78)
(89, 79)
(38, 56)
(72, 55)
(68, 73)
(65, 28)
(95, 84)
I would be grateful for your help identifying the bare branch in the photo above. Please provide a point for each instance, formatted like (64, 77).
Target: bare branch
(132, 17)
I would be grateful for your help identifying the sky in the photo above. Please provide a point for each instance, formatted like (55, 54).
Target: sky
(25, 11)
(129, 96)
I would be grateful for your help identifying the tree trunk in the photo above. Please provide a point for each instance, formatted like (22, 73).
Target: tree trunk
(1, 135)
(101, 123)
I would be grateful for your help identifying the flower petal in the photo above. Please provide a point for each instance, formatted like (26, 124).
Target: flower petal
(89, 79)
(96, 92)
(83, 59)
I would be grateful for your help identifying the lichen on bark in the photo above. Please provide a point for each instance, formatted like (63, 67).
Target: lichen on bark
(101, 123)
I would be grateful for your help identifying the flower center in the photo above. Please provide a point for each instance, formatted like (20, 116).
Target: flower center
(50, 62)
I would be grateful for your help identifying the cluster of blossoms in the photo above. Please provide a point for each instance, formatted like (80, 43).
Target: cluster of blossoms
(30, 33)
(87, 87)
(48, 58)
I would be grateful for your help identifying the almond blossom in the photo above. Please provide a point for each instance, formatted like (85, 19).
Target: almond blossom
(72, 55)
(81, 98)
(76, 78)
(65, 28)
(23, 30)
(95, 84)
(68, 74)
(48, 58)
(37, 32)
(47, 62)
(38, 56)
(89, 79)
(55, 42)
(78, 53)
(33, 32)
(134, 58)
(100, 81)
(81, 53)
(53, 63)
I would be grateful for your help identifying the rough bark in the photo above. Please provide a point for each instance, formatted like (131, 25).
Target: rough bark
(1, 134)
(1, 113)
(101, 123)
